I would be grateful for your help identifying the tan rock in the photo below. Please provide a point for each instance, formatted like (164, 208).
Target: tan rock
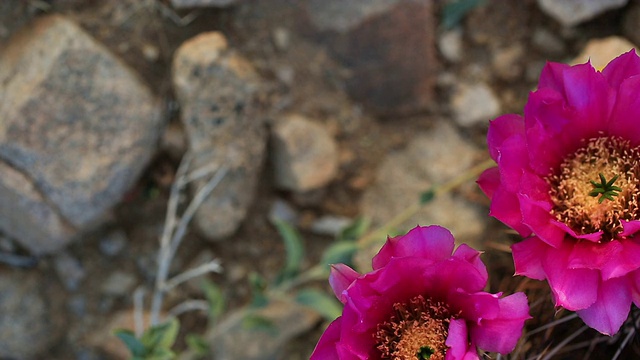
(601, 51)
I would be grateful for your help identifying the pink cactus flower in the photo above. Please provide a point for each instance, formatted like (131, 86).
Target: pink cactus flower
(420, 302)
(568, 179)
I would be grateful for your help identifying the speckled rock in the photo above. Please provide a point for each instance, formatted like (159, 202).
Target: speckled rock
(260, 334)
(305, 155)
(77, 127)
(389, 47)
(474, 104)
(217, 91)
(573, 12)
(29, 318)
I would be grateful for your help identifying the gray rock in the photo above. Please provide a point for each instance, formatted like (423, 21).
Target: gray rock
(330, 225)
(260, 334)
(389, 48)
(113, 243)
(119, 283)
(217, 92)
(29, 315)
(474, 104)
(547, 42)
(341, 16)
(69, 270)
(305, 155)
(77, 127)
(430, 159)
(573, 12)
(450, 45)
(183, 4)
(281, 210)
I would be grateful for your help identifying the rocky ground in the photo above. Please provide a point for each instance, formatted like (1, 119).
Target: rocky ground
(315, 112)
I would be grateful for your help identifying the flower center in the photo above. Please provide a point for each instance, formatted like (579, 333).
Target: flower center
(597, 187)
(417, 329)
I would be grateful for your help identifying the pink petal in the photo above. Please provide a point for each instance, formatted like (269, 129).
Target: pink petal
(537, 217)
(431, 242)
(502, 333)
(341, 278)
(592, 237)
(501, 129)
(611, 309)
(573, 289)
(589, 93)
(512, 161)
(626, 111)
(621, 68)
(527, 257)
(472, 256)
(630, 227)
(613, 259)
(475, 306)
(457, 340)
(489, 181)
(546, 117)
(506, 208)
(634, 285)
(551, 76)
(326, 347)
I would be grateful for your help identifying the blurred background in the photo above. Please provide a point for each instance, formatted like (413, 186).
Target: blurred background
(207, 159)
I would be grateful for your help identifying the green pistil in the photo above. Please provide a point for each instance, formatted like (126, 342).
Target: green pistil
(604, 189)
(425, 353)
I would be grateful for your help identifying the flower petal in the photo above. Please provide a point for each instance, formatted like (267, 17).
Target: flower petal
(501, 129)
(502, 333)
(621, 68)
(472, 256)
(489, 181)
(630, 227)
(506, 208)
(326, 347)
(611, 308)
(551, 76)
(457, 340)
(430, 242)
(626, 111)
(341, 278)
(588, 92)
(613, 259)
(527, 257)
(573, 289)
(540, 221)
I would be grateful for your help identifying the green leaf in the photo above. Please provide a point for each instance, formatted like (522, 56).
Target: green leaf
(355, 230)
(197, 344)
(427, 196)
(339, 252)
(132, 343)
(294, 249)
(258, 285)
(215, 299)
(257, 322)
(456, 10)
(161, 336)
(161, 354)
(325, 305)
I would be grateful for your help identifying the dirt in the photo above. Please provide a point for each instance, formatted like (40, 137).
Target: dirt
(145, 34)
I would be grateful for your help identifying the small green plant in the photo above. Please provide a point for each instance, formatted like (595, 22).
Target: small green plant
(154, 344)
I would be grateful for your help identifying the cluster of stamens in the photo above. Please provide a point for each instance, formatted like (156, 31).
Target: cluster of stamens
(597, 187)
(417, 329)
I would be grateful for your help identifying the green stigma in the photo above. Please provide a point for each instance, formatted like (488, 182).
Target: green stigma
(604, 189)
(425, 353)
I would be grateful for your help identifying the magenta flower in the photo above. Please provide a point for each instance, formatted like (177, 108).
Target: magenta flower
(420, 301)
(569, 174)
